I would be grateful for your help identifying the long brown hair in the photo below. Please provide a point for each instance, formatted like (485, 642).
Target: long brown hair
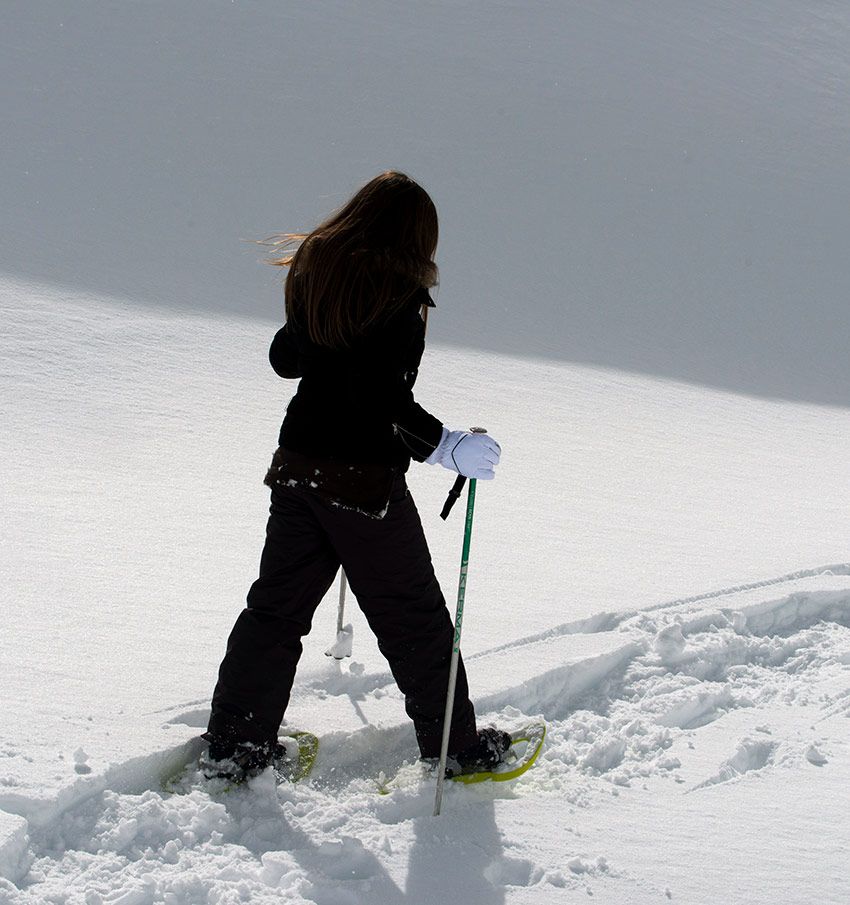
(363, 263)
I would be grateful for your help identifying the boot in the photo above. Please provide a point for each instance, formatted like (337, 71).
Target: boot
(236, 761)
(488, 752)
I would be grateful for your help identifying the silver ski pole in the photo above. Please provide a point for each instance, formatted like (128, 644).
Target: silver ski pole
(341, 611)
(450, 697)
(344, 633)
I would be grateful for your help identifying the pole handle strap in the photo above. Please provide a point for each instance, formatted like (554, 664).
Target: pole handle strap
(453, 497)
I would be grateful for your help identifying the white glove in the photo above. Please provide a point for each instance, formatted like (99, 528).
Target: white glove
(473, 455)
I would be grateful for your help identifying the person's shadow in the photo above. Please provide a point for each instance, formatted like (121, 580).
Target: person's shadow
(459, 857)
(456, 857)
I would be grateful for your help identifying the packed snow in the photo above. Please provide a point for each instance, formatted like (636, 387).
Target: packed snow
(644, 282)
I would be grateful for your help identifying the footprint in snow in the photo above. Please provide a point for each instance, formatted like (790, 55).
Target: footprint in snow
(751, 755)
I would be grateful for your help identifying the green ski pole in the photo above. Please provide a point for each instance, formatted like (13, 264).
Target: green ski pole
(450, 697)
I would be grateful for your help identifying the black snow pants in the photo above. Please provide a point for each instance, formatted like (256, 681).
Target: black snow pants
(389, 568)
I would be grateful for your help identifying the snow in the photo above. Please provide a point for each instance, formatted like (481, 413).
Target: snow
(696, 731)
(644, 298)
(657, 186)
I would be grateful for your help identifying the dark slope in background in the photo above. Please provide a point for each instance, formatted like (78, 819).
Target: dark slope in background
(658, 186)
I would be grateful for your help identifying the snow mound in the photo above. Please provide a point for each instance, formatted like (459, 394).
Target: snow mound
(15, 855)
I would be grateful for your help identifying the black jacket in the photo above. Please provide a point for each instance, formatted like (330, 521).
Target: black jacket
(356, 404)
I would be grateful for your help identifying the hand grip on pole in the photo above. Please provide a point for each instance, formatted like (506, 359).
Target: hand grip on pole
(457, 487)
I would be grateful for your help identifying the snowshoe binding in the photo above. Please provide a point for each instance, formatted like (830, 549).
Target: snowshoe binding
(291, 757)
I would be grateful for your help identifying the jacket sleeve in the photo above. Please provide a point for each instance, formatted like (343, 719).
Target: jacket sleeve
(418, 429)
(283, 353)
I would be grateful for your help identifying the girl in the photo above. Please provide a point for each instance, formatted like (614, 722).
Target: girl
(356, 299)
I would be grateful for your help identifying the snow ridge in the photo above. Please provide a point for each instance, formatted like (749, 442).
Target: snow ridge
(609, 621)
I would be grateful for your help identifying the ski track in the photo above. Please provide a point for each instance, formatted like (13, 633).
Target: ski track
(609, 621)
(617, 721)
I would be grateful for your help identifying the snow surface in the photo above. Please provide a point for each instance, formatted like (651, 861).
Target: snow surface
(658, 186)
(644, 575)
(651, 199)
